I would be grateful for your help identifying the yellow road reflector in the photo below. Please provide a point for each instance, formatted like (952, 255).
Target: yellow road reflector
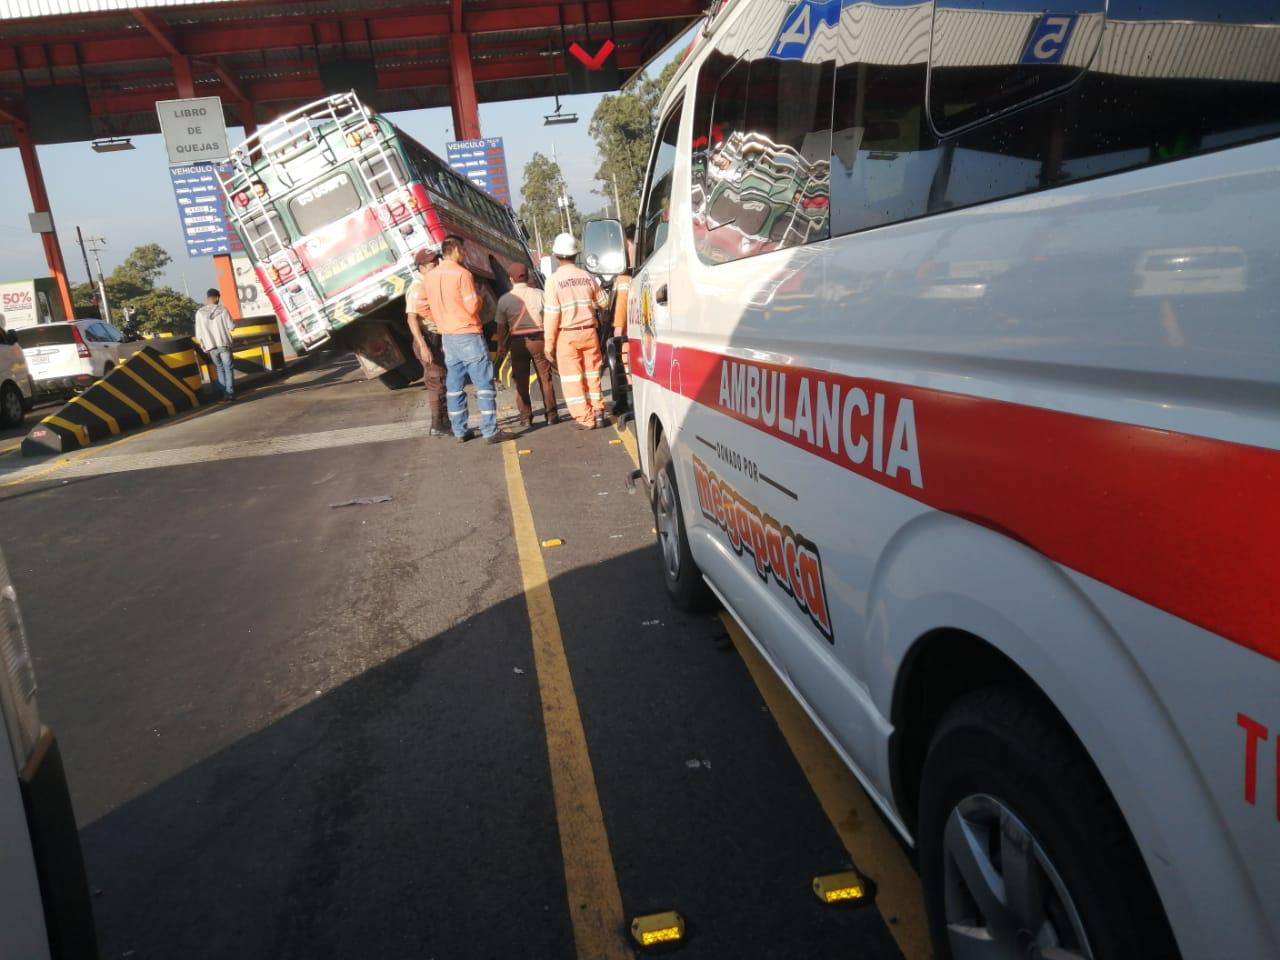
(523, 452)
(657, 928)
(616, 442)
(840, 887)
(553, 542)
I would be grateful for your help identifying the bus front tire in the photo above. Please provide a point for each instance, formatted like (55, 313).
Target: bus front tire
(1021, 842)
(685, 586)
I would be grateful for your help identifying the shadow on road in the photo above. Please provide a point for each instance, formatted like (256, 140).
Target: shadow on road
(408, 813)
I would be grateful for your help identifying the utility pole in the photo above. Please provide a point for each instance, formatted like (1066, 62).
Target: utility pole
(84, 255)
(562, 201)
(617, 204)
(93, 245)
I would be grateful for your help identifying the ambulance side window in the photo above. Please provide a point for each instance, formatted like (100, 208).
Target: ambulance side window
(657, 205)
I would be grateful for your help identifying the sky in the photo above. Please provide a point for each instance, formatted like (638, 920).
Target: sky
(126, 197)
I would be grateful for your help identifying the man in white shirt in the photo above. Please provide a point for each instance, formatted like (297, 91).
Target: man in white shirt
(213, 333)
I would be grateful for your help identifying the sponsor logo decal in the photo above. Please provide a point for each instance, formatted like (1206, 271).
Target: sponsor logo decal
(648, 336)
(780, 554)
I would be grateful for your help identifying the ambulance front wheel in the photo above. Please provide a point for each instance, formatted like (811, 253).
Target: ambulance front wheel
(685, 586)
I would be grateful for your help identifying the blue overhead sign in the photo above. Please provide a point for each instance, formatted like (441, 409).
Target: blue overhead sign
(484, 163)
(202, 210)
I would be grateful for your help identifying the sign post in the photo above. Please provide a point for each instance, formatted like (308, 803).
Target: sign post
(193, 129)
(195, 135)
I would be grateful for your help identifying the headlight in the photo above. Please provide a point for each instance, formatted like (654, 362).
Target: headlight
(17, 675)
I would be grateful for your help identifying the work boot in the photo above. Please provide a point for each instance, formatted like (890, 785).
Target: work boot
(499, 436)
(436, 431)
(467, 434)
(586, 426)
(602, 421)
(553, 419)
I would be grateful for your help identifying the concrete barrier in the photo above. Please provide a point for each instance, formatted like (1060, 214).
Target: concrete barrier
(150, 385)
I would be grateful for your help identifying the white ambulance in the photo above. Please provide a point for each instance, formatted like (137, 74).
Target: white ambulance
(958, 383)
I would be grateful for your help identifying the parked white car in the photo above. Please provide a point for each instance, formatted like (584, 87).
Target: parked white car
(17, 390)
(68, 357)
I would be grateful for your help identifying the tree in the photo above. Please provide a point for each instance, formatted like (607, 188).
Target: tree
(132, 286)
(163, 310)
(543, 184)
(623, 127)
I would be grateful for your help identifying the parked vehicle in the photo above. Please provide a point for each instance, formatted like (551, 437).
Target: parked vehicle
(45, 913)
(67, 357)
(17, 389)
(984, 456)
(332, 201)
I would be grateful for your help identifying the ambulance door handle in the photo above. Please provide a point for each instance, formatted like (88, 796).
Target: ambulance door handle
(661, 295)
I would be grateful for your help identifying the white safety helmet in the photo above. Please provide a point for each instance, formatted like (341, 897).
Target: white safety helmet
(565, 245)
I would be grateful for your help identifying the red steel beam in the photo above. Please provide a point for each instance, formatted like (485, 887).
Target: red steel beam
(40, 203)
(462, 88)
(159, 40)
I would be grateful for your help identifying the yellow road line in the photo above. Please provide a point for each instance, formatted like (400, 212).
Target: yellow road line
(629, 443)
(595, 903)
(10, 448)
(873, 848)
(62, 462)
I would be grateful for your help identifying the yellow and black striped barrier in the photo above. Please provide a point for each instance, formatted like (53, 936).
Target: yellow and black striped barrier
(256, 345)
(149, 386)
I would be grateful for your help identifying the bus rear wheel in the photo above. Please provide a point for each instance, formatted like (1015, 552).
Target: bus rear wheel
(683, 580)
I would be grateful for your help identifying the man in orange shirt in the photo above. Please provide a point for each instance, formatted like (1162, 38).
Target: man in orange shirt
(455, 307)
(569, 316)
(426, 341)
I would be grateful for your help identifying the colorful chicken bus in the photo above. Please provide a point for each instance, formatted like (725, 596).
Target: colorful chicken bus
(332, 202)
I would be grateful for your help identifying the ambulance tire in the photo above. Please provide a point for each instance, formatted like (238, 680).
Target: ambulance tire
(1002, 767)
(685, 586)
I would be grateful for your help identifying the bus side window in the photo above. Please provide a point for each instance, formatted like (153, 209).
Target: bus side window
(653, 218)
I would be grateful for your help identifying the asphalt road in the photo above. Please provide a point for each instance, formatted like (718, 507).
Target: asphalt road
(295, 730)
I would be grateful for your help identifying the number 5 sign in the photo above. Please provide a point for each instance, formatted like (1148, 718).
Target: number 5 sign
(1048, 41)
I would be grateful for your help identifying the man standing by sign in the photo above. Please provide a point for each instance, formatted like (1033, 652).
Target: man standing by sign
(213, 333)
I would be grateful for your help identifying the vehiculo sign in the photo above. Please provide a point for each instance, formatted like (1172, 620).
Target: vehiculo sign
(193, 130)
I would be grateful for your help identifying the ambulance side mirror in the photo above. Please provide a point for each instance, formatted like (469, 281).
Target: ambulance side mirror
(604, 247)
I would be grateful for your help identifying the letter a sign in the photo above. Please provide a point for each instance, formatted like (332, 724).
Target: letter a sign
(193, 129)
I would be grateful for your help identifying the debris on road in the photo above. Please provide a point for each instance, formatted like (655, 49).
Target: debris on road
(360, 501)
(696, 764)
(553, 542)
(517, 670)
(650, 623)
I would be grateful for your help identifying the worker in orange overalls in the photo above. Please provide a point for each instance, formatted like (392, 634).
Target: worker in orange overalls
(569, 317)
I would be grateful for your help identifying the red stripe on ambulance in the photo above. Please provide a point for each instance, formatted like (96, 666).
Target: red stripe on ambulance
(1188, 524)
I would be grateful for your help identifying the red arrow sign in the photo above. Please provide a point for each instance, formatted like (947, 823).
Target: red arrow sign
(596, 62)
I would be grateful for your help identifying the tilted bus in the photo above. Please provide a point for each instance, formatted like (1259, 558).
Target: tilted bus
(332, 201)
(986, 462)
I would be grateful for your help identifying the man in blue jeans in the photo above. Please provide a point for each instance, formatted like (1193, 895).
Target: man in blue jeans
(455, 306)
(213, 333)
